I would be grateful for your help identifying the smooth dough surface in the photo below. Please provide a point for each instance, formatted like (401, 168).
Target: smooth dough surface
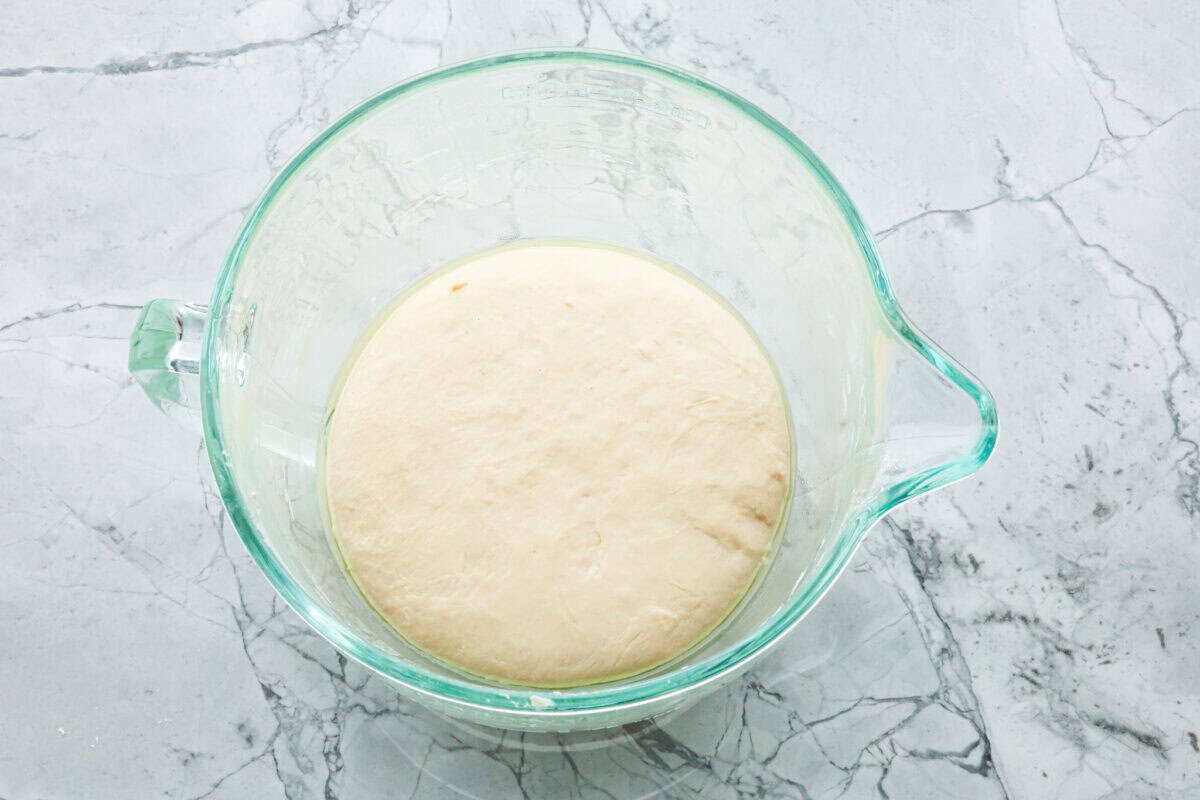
(557, 464)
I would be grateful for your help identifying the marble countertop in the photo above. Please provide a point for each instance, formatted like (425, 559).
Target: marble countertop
(1033, 172)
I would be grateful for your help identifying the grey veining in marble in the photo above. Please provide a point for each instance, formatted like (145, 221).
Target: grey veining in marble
(1033, 172)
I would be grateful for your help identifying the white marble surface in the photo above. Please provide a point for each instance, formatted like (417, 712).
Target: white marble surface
(1034, 172)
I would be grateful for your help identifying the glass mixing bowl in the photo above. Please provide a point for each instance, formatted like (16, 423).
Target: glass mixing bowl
(584, 146)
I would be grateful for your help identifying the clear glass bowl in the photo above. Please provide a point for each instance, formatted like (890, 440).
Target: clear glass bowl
(577, 145)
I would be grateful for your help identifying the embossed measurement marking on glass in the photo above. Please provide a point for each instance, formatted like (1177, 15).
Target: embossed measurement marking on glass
(550, 89)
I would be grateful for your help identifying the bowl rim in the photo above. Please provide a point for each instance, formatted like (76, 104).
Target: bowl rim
(599, 699)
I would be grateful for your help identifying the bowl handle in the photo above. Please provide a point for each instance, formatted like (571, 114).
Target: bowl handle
(164, 357)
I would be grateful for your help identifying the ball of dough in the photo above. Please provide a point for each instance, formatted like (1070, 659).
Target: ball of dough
(557, 464)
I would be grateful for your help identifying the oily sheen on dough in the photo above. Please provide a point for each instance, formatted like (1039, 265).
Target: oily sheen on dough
(557, 464)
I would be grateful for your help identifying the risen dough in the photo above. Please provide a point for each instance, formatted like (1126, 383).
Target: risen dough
(557, 464)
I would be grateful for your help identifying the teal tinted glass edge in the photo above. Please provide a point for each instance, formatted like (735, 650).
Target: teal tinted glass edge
(592, 699)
